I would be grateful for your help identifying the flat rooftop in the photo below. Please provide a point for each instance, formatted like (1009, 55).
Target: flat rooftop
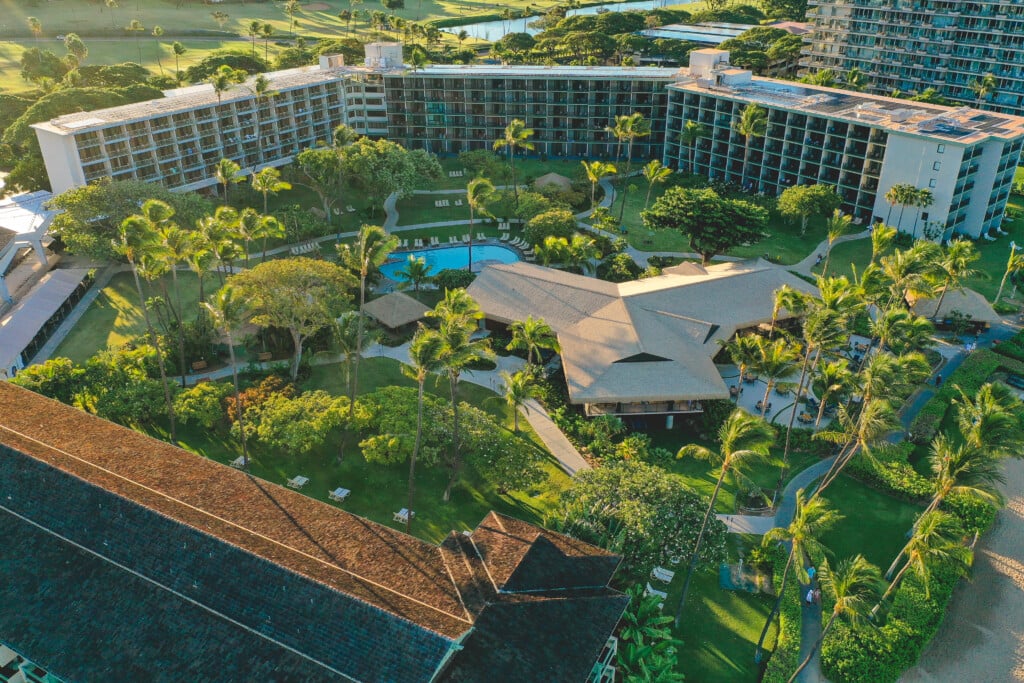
(954, 124)
(529, 71)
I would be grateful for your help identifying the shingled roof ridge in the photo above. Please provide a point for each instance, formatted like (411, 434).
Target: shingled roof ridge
(244, 529)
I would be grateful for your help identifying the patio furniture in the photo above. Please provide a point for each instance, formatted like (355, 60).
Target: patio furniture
(458, 202)
(297, 482)
(339, 494)
(860, 347)
(434, 241)
(465, 238)
(675, 559)
(662, 574)
(405, 244)
(403, 516)
(504, 237)
(418, 242)
(805, 418)
(452, 239)
(750, 378)
(651, 590)
(480, 237)
(734, 391)
(350, 208)
(238, 462)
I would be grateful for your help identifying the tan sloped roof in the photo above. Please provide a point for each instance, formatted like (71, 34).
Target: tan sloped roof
(556, 179)
(967, 302)
(647, 340)
(395, 309)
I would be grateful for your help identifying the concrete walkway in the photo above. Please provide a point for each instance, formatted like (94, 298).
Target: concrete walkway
(804, 267)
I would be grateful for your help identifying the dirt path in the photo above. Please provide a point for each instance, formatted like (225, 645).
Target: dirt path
(982, 638)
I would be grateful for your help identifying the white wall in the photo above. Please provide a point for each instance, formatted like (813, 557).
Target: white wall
(910, 159)
(61, 158)
(991, 155)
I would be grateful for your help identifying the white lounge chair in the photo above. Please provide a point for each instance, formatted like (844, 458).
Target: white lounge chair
(662, 574)
(458, 202)
(465, 238)
(418, 242)
(238, 462)
(339, 494)
(403, 516)
(661, 595)
(504, 237)
(480, 236)
(350, 208)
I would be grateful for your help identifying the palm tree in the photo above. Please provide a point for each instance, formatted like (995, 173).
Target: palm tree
(351, 338)
(458, 314)
(199, 259)
(692, 132)
(478, 193)
(654, 173)
(909, 272)
(836, 226)
(268, 182)
(262, 90)
(220, 17)
(988, 420)
(227, 172)
(370, 251)
(533, 335)
(228, 311)
(921, 199)
(742, 438)
(744, 351)
(516, 136)
(792, 300)
(418, 57)
(35, 27)
(935, 539)
(775, 360)
(223, 78)
(425, 352)
(266, 31)
(291, 8)
(519, 388)
(832, 379)
(812, 518)
(137, 242)
(882, 237)
(157, 33)
(111, 5)
(219, 232)
(895, 195)
(178, 49)
(596, 170)
(580, 253)
(859, 434)
(253, 30)
(267, 227)
(177, 245)
(135, 26)
(628, 128)
(856, 80)
(753, 123)
(853, 585)
(415, 273)
(964, 469)
(1014, 265)
(954, 267)
(983, 87)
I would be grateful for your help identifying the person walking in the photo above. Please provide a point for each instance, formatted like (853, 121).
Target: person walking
(810, 597)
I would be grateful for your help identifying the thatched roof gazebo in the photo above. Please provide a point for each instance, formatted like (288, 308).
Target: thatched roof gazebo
(968, 302)
(395, 310)
(555, 179)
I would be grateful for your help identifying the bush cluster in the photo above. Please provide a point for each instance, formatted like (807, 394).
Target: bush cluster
(786, 656)
(1012, 347)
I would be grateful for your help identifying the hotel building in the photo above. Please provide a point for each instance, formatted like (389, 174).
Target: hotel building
(912, 45)
(861, 144)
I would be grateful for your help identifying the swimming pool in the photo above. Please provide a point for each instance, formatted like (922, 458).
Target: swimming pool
(450, 257)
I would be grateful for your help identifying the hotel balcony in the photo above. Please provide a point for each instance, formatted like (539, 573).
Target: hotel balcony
(644, 408)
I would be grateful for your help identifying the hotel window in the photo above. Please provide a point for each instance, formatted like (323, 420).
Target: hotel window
(941, 149)
(937, 166)
(931, 183)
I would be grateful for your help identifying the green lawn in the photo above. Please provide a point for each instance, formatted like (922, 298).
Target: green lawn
(419, 208)
(875, 524)
(115, 315)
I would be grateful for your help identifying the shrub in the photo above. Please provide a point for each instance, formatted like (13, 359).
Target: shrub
(891, 472)
(203, 403)
(786, 656)
(256, 396)
(452, 278)
(803, 441)
(976, 516)
(555, 223)
(1012, 347)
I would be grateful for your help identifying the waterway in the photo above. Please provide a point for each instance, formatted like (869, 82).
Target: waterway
(493, 30)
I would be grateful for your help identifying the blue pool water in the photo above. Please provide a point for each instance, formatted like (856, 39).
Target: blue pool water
(450, 257)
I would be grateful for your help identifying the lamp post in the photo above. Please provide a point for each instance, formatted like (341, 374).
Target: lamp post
(1011, 265)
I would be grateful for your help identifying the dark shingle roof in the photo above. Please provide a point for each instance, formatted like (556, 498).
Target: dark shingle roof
(136, 557)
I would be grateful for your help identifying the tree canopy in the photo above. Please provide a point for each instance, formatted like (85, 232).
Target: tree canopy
(380, 167)
(713, 223)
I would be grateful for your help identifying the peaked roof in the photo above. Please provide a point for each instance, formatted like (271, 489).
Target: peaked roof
(647, 340)
(208, 550)
(395, 309)
(556, 179)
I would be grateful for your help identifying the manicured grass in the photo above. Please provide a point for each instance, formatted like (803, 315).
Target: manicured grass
(701, 476)
(848, 255)
(380, 490)
(419, 208)
(115, 315)
(719, 628)
(875, 524)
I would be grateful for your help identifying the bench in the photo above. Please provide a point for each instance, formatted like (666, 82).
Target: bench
(199, 365)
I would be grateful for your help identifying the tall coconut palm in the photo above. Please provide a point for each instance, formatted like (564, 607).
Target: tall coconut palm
(1015, 264)
(177, 247)
(200, 260)
(935, 539)
(836, 226)
(219, 232)
(953, 267)
(983, 87)
(963, 469)
(267, 181)
(988, 420)
(457, 316)
(752, 123)
(516, 136)
(654, 173)
(831, 379)
(744, 350)
(157, 33)
(351, 338)
(532, 335)
(853, 585)
(253, 30)
(909, 272)
(229, 311)
(894, 195)
(581, 251)
(882, 237)
(248, 226)
(855, 80)
(137, 241)
(266, 228)
(179, 50)
(776, 360)
(858, 433)
(920, 200)
(628, 128)
(35, 27)
(372, 247)
(223, 78)
(425, 352)
(478, 192)
(266, 31)
(519, 388)
(263, 92)
(596, 170)
(414, 274)
(812, 518)
(792, 300)
(227, 172)
(692, 132)
(742, 438)
(135, 26)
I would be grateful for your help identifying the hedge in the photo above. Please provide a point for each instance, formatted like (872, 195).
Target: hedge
(786, 656)
(1012, 347)
(892, 472)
